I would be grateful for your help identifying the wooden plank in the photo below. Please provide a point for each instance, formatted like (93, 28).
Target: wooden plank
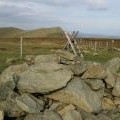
(72, 36)
(71, 44)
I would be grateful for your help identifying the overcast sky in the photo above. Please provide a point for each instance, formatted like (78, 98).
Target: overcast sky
(88, 16)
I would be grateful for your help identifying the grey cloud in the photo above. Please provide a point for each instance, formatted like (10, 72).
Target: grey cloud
(30, 22)
(36, 13)
(89, 4)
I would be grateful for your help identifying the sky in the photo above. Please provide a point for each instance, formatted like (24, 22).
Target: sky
(87, 16)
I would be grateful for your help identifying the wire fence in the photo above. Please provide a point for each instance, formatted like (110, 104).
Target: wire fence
(33, 46)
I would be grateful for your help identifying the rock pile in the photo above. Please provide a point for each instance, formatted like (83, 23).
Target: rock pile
(48, 90)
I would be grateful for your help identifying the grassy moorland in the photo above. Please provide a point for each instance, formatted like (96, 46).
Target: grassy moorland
(50, 41)
(10, 48)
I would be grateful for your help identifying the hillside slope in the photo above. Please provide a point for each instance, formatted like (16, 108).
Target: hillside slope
(44, 32)
(10, 32)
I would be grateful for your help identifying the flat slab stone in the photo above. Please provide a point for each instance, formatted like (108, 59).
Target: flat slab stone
(44, 78)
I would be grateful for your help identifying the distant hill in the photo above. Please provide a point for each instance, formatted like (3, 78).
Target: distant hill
(54, 32)
(44, 32)
(10, 32)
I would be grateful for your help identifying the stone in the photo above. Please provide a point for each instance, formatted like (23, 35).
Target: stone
(88, 116)
(66, 109)
(51, 115)
(80, 95)
(66, 55)
(69, 113)
(113, 65)
(72, 115)
(19, 118)
(10, 107)
(1, 115)
(56, 106)
(107, 93)
(47, 58)
(5, 92)
(103, 117)
(78, 68)
(34, 116)
(117, 101)
(47, 115)
(95, 84)
(95, 71)
(44, 78)
(110, 79)
(113, 114)
(108, 104)
(10, 76)
(30, 104)
(116, 89)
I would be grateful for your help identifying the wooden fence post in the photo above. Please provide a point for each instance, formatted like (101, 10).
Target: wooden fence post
(95, 46)
(113, 44)
(107, 45)
(21, 47)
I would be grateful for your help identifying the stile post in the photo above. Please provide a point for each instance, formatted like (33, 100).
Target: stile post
(70, 43)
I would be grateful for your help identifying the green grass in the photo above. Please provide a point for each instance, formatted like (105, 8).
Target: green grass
(102, 56)
(11, 32)
(44, 32)
(11, 49)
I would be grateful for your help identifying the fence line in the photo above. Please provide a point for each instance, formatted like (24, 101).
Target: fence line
(25, 46)
(100, 44)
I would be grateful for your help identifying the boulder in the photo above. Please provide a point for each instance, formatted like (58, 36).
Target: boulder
(10, 76)
(117, 101)
(72, 115)
(110, 79)
(113, 65)
(95, 84)
(47, 115)
(107, 93)
(1, 115)
(79, 94)
(47, 58)
(10, 107)
(34, 116)
(20, 118)
(88, 116)
(51, 115)
(30, 104)
(44, 78)
(56, 106)
(116, 89)
(113, 114)
(5, 92)
(78, 68)
(65, 109)
(66, 55)
(96, 71)
(108, 104)
(103, 117)
(69, 113)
